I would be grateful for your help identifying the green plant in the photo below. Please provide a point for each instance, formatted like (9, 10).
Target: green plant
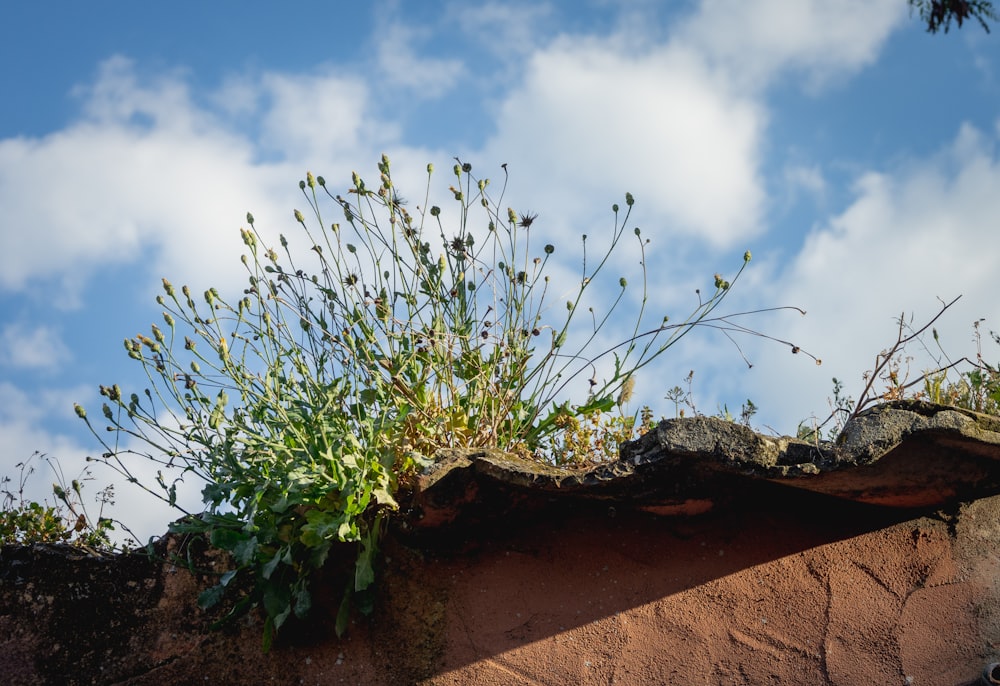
(306, 402)
(977, 389)
(67, 520)
(889, 379)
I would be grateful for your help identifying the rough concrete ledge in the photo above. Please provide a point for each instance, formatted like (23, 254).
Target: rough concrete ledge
(904, 454)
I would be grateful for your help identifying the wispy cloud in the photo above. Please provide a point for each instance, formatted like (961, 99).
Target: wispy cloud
(23, 346)
(755, 42)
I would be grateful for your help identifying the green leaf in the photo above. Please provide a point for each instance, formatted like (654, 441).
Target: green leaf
(227, 539)
(210, 597)
(343, 614)
(244, 551)
(268, 568)
(268, 637)
(303, 599)
(277, 603)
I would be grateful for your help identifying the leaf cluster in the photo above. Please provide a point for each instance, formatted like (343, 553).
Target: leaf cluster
(307, 402)
(64, 521)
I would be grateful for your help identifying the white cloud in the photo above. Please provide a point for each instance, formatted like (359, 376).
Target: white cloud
(912, 237)
(32, 347)
(401, 66)
(509, 31)
(315, 118)
(102, 190)
(808, 178)
(148, 174)
(592, 121)
(756, 41)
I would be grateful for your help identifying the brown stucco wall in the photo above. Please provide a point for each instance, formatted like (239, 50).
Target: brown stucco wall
(775, 584)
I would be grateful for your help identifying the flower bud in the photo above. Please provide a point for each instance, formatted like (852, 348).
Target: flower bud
(299, 218)
(249, 219)
(629, 200)
(168, 287)
(310, 180)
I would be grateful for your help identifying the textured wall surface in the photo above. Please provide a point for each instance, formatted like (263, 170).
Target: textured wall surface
(755, 575)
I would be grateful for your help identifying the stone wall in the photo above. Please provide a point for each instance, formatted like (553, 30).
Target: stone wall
(719, 558)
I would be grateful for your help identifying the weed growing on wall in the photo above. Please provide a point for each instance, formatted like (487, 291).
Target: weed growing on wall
(970, 383)
(304, 403)
(65, 519)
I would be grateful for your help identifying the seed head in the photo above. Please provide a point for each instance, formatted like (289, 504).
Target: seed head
(627, 388)
(527, 220)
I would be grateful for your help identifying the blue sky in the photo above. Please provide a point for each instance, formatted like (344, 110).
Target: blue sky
(854, 154)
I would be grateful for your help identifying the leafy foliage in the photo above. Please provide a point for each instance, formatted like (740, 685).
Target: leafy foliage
(67, 521)
(304, 404)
